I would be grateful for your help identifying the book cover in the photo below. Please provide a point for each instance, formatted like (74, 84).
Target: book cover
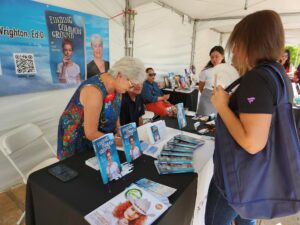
(108, 158)
(156, 131)
(168, 168)
(131, 142)
(168, 153)
(156, 189)
(175, 142)
(167, 82)
(132, 206)
(175, 159)
(67, 48)
(188, 139)
(151, 151)
(175, 148)
(181, 116)
(183, 83)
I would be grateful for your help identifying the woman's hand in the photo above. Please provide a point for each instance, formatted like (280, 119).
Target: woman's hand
(118, 141)
(66, 60)
(220, 98)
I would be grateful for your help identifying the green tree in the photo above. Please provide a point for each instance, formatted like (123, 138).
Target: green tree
(294, 59)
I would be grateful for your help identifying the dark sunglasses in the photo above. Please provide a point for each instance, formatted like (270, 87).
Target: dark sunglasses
(152, 74)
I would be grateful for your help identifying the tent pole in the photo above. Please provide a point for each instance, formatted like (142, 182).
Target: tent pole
(297, 55)
(193, 43)
(129, 28)
(221, 39)
(126, 27)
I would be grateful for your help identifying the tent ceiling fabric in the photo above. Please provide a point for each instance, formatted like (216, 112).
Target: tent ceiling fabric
(198, 9)
(203, 9)
(209, 12)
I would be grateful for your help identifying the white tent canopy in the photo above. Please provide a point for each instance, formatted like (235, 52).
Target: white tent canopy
(162, 39)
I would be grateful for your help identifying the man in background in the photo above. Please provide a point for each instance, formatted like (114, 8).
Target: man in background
(132, 106)
(154, 99)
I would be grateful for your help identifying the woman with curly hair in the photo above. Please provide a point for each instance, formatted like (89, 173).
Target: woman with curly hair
(132, 212)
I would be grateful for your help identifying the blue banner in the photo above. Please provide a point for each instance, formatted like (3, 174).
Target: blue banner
(45, 47)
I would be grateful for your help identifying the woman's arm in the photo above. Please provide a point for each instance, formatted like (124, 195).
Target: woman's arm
(91, 99)
(201, 86)
(250, 131)
(117, 135)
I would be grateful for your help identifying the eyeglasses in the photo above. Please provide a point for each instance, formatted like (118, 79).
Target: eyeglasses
(152, 74)
(133, 84)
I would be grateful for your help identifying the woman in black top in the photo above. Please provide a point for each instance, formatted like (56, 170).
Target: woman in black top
(257, 39)
(97, 65)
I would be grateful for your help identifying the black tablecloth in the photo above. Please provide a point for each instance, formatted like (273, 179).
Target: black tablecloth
(173, 123)
(52, 202)
(189, 100)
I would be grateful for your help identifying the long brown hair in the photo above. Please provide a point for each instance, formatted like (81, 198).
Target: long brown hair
(219, 49)
(258, 38)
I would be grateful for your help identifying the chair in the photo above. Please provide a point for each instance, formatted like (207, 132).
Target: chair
(17, 141)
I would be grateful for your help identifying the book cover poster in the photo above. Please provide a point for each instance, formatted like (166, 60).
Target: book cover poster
(155, 133)
(66, 34)
(181, 116)
(131, 142)
(108, 158)
(31, 38)
(132, 206)
(168, 168)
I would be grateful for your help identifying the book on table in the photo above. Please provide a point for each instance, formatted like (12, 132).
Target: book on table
(148, 149)
(131, 142)
(175, 159)
(181, 116)
(189, 139)
(132, 206)
(175, 148)
(173, 153)
(168, 168)
(156, 131)
(108, 158)
(159, 191)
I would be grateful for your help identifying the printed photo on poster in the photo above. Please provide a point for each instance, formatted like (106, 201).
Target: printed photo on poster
(98, 65)
(66, 34)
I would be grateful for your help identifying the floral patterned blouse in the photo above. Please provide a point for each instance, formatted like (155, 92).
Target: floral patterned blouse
(71, 138)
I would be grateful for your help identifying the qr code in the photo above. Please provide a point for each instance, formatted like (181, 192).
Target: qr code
(24, 63)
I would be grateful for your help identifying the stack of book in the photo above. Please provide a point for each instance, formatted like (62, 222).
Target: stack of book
(177, 155)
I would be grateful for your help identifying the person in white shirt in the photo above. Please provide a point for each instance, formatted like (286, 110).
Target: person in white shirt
(206, 80)
(68, 71)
